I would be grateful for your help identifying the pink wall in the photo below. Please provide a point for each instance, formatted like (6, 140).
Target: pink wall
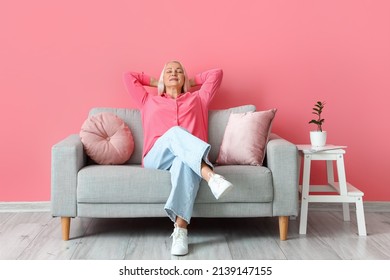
(60, 58)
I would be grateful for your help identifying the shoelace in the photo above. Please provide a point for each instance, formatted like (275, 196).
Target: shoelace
(178, 235)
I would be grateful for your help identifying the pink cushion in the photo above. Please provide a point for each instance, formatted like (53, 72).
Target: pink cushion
(107, 139)
(245, 138)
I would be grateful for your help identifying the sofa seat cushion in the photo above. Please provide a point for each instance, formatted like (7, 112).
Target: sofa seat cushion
(122, 184)
(134, 184)
(251, 184)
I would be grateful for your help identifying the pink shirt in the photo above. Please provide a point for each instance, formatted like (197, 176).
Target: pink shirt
(160, 113)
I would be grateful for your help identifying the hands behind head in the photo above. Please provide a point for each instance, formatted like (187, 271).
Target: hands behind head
(153, 82)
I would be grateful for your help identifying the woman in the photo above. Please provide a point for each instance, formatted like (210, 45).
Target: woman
(175, 123)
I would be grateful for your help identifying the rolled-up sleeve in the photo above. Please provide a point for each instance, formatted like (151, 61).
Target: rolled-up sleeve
(135, 83)
(210, 82)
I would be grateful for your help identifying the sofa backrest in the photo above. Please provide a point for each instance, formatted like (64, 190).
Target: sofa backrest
(218, 120)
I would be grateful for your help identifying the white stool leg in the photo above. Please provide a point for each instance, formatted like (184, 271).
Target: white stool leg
(346, 215)
(343, 185)
(361, 223)
(305, 195)
(329, 172)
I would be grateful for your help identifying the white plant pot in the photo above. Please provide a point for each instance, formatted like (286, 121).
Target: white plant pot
(318, 138)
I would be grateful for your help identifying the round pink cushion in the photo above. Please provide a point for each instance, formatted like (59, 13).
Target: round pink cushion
(107, 139)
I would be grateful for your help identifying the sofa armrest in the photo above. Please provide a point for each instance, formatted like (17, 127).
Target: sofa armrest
(282, 160)
(67, 158)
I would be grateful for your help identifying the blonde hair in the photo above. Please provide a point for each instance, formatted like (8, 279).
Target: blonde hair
(161, 85)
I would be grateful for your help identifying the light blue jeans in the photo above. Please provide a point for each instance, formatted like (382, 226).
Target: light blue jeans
(181, 153)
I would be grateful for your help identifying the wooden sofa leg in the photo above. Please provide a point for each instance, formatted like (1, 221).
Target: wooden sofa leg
(283, 227)
(65, 224)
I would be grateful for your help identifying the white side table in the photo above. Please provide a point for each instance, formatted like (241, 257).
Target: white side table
(346, 193)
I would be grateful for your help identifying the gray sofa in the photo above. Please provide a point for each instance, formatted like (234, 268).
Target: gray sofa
(80, 188)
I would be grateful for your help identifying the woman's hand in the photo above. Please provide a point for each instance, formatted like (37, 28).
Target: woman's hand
(192, 82)
(153, 82)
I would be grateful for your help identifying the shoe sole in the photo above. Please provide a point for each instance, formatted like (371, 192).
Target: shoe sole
(179, 253)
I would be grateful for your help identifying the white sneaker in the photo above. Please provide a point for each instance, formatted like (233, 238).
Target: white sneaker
(219, 185)
(180, 242)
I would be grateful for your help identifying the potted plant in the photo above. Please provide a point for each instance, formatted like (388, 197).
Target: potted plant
(318, 137)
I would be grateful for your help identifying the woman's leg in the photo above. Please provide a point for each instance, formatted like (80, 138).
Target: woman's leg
(190, 154)
(186, 157)
(181, 223)
(178, 142)
(192, 151)
(185, 185)
(206, 171)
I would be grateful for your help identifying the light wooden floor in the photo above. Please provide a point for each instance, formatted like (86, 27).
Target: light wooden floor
(37, 235)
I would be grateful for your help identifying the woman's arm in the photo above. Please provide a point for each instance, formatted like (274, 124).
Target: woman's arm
(135, 83)
(210, 82)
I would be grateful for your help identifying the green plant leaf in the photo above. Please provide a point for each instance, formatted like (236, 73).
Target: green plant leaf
(317, 110)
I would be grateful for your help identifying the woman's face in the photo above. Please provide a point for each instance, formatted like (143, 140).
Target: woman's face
(174, 75)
